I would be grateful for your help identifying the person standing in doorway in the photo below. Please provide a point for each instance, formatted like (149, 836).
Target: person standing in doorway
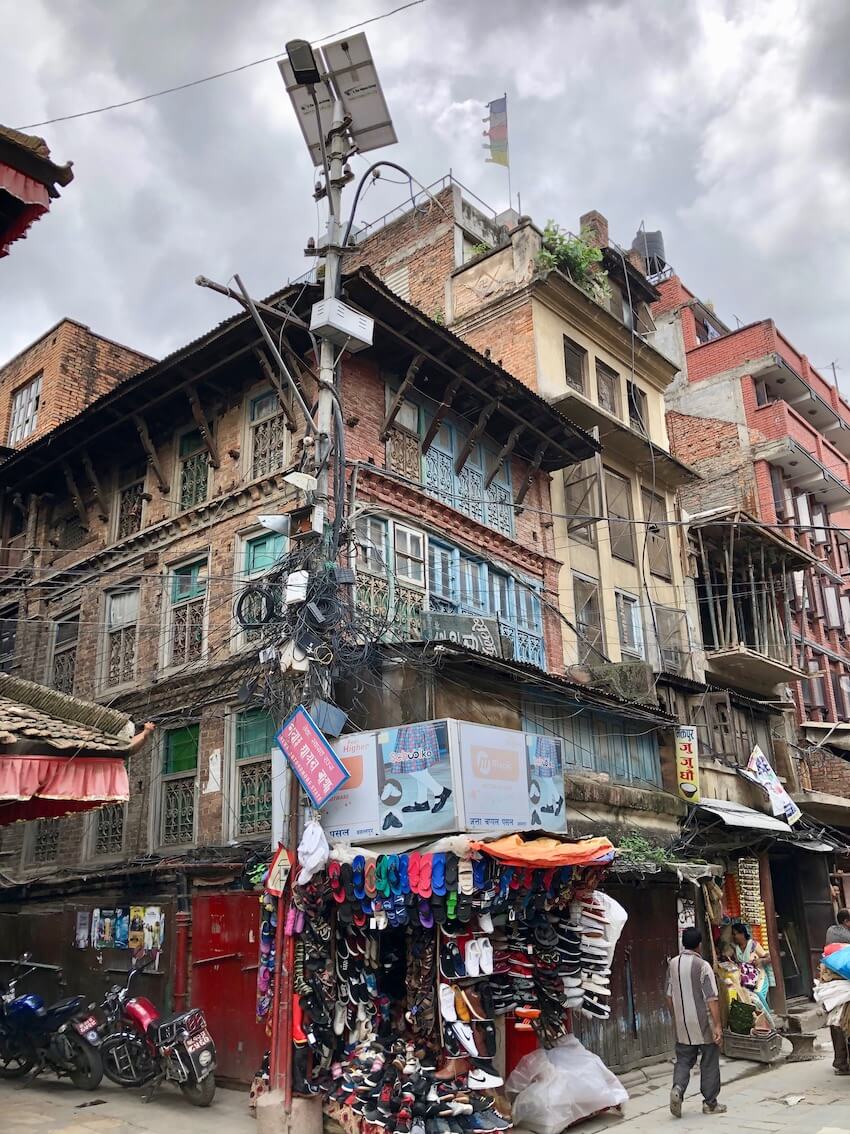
(839, 934)
(692, 992)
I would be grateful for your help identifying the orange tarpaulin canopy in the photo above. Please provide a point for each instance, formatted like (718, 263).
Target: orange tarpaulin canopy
(548, 853)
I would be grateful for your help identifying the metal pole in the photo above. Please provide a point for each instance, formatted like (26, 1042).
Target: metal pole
(327, 367)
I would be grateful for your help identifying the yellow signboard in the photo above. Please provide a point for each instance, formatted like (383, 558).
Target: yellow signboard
(687, 763)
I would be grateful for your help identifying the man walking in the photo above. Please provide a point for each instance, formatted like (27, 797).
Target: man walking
(692, 992)
(839, 934)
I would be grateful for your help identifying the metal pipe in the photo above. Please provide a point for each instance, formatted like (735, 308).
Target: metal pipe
(270, 343)
(182, 921)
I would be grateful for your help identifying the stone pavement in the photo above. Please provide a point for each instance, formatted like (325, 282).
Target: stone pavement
(49, 1106)
(787, 1098)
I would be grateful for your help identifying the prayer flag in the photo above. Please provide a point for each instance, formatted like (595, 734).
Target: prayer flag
(497, 131)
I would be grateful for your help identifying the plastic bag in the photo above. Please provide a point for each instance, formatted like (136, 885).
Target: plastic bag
(556, 1088)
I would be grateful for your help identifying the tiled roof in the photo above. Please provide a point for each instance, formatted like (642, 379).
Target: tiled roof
(33, 714)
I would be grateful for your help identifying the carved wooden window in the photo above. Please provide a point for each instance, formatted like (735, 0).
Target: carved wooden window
(109, 830)
(131, 489)
(44, 845)
(64, 662)
(194, 469)
(255, 732)
(269, 435)
(188, 596)
(121, 633)
(404, 455)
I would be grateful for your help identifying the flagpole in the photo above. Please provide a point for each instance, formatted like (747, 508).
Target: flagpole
(510, 194)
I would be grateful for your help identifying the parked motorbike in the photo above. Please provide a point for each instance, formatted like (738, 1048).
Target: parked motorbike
(140, 1048)
(61, 1038)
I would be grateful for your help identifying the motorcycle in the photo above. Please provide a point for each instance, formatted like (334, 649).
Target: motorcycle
(148, 1048)
(33, 1038)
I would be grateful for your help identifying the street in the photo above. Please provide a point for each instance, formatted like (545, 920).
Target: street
(796, 1098)
(52, 1107)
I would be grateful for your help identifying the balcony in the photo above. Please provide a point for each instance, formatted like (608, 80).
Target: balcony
(744, 603)
(620, 439)
(783, 384)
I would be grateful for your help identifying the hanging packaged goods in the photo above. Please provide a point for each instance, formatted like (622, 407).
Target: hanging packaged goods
(409, 966)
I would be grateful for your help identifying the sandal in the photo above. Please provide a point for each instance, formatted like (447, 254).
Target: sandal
(426, 865)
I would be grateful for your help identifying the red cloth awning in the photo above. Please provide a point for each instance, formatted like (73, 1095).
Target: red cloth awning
(44, 787)
(34, 198)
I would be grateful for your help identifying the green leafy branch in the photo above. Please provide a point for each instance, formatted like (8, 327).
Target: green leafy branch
(577, 257)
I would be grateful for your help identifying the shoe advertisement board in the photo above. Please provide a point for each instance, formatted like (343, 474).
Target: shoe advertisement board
(434, 778)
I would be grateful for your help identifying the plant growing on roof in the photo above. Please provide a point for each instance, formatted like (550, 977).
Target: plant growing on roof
(577, 257)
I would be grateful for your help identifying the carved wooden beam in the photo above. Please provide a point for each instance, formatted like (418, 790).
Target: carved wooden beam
(531, 474)
(153, 459)
(442, 410)
(472, 440)
(401, 393)
(103, 508)
(504, 453)
(203, 426)
(272, 378)
(76, 497)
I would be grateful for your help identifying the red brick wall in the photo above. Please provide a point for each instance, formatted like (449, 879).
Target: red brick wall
(77, 367)
(731, 350)
(828, 773)
(509, 337)
(713, 448)
(423, 241)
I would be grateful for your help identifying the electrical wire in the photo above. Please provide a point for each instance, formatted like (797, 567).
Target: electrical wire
(218, 74)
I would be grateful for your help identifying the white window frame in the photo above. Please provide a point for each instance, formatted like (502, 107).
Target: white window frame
(24, 407)
(109, 630)
(631, 602)
(367, 556)
(422, 557)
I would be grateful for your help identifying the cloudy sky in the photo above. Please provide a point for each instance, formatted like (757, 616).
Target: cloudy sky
(726, 124)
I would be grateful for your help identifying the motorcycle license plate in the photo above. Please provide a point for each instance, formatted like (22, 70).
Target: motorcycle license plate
(198, 1041)
(86, 1026)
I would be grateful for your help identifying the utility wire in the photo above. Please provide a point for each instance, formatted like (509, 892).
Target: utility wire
(218, 74)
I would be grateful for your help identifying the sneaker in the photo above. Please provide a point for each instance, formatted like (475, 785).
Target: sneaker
(712, 1108)
(676, 1102)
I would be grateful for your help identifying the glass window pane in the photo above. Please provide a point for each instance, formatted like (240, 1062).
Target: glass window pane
(262, 552)
(190, 443)
(255, 732)
(189, 582)
(181, 749)
(266, 405)
(123, 608)
(67, 631)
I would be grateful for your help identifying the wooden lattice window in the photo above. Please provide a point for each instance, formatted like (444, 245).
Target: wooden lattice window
(179, 768)
(194, 469)
(121, 634)
(64, 662)
(44, 846)
(255, 732)
(131, 494)
(269, 435)
(109, 830)
(188, 597)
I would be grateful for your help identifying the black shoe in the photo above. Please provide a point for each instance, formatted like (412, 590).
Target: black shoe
(549, 809)
(423, 806)
(391, 821)
(441, 801)
(560, 805)
(535, 820)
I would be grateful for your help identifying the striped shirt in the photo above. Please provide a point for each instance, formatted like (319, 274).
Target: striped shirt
(691, 985)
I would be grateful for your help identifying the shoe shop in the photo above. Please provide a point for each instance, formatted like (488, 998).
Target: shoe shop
(424, 978)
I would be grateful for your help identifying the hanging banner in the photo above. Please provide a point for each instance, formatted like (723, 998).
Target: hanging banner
(759, 771)
(687, 763)
(311, 758)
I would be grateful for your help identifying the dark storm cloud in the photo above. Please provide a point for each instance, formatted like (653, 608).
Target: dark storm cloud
(722, 123)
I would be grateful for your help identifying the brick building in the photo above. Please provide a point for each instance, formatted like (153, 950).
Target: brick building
(142, 533)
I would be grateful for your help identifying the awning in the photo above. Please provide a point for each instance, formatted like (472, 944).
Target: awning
(31, 201)
(45, 787)
(737, 815)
